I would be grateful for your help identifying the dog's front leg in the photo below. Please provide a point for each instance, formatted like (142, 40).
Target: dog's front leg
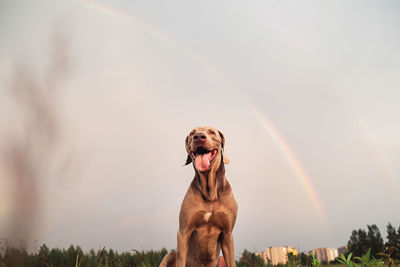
(228, 249)
(182, 249)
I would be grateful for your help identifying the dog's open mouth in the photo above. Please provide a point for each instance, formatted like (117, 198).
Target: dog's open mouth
(202, 158)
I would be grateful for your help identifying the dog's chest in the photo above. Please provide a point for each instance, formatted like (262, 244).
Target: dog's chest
(213, 217)
(207, 216)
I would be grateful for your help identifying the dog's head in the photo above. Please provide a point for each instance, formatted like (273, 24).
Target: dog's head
(205, 147)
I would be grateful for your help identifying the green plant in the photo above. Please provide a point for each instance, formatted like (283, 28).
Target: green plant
(347, 261)
(315, 261)
(375, 262)
(99, 260)
(77, 261)
(145, 262)
(293, 260)
(364, 259)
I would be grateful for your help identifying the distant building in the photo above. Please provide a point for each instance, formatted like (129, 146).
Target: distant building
(325, 254)
(342, 250)
(332, 254)
(277, 255)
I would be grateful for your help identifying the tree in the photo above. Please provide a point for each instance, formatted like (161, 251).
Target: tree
(250, 259)
(360, 241)
(375, 240)
(91, 259)
(44, 253)
(15, 256)
(293, 260)
(393, 240)
(305, 259)
(56, 257)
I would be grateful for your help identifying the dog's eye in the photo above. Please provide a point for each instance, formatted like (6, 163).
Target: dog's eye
(192, 133)
(211, 132)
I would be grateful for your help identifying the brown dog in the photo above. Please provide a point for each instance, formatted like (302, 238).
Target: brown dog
(208, 211)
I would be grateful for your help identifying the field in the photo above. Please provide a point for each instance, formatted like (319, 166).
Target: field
(75, 256)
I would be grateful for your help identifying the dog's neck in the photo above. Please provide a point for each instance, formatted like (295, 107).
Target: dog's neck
(209, 182)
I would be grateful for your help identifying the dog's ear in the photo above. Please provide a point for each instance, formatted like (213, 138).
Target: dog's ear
(224, 156)
(188, 159)
(222, 139)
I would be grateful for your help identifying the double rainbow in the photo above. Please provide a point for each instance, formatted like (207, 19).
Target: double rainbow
(265, 123)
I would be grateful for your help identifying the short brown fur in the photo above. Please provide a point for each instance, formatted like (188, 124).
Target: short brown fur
(208, 211)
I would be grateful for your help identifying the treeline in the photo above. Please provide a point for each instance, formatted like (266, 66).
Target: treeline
(362, 240)
(359, 244)
(75, 256)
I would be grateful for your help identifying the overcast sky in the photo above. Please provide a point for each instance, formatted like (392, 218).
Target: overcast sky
(307, 94)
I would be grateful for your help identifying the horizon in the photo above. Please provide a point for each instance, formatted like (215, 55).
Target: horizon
(97, 98)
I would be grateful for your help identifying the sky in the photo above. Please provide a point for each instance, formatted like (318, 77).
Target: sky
(306, 93)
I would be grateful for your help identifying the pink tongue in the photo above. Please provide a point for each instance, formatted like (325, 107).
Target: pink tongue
(202, 162)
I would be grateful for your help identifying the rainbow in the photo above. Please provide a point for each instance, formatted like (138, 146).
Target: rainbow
(389, 177)
(291, 158)
(267, 125)
(162, 36)
(106, 9)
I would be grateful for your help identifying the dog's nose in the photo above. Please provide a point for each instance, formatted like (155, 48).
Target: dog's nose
(199, 137)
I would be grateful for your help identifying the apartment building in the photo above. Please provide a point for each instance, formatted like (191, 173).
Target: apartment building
(325, 254)
(277, 255)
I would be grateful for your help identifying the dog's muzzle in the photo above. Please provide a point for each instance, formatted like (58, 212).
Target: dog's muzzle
(202, 158)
